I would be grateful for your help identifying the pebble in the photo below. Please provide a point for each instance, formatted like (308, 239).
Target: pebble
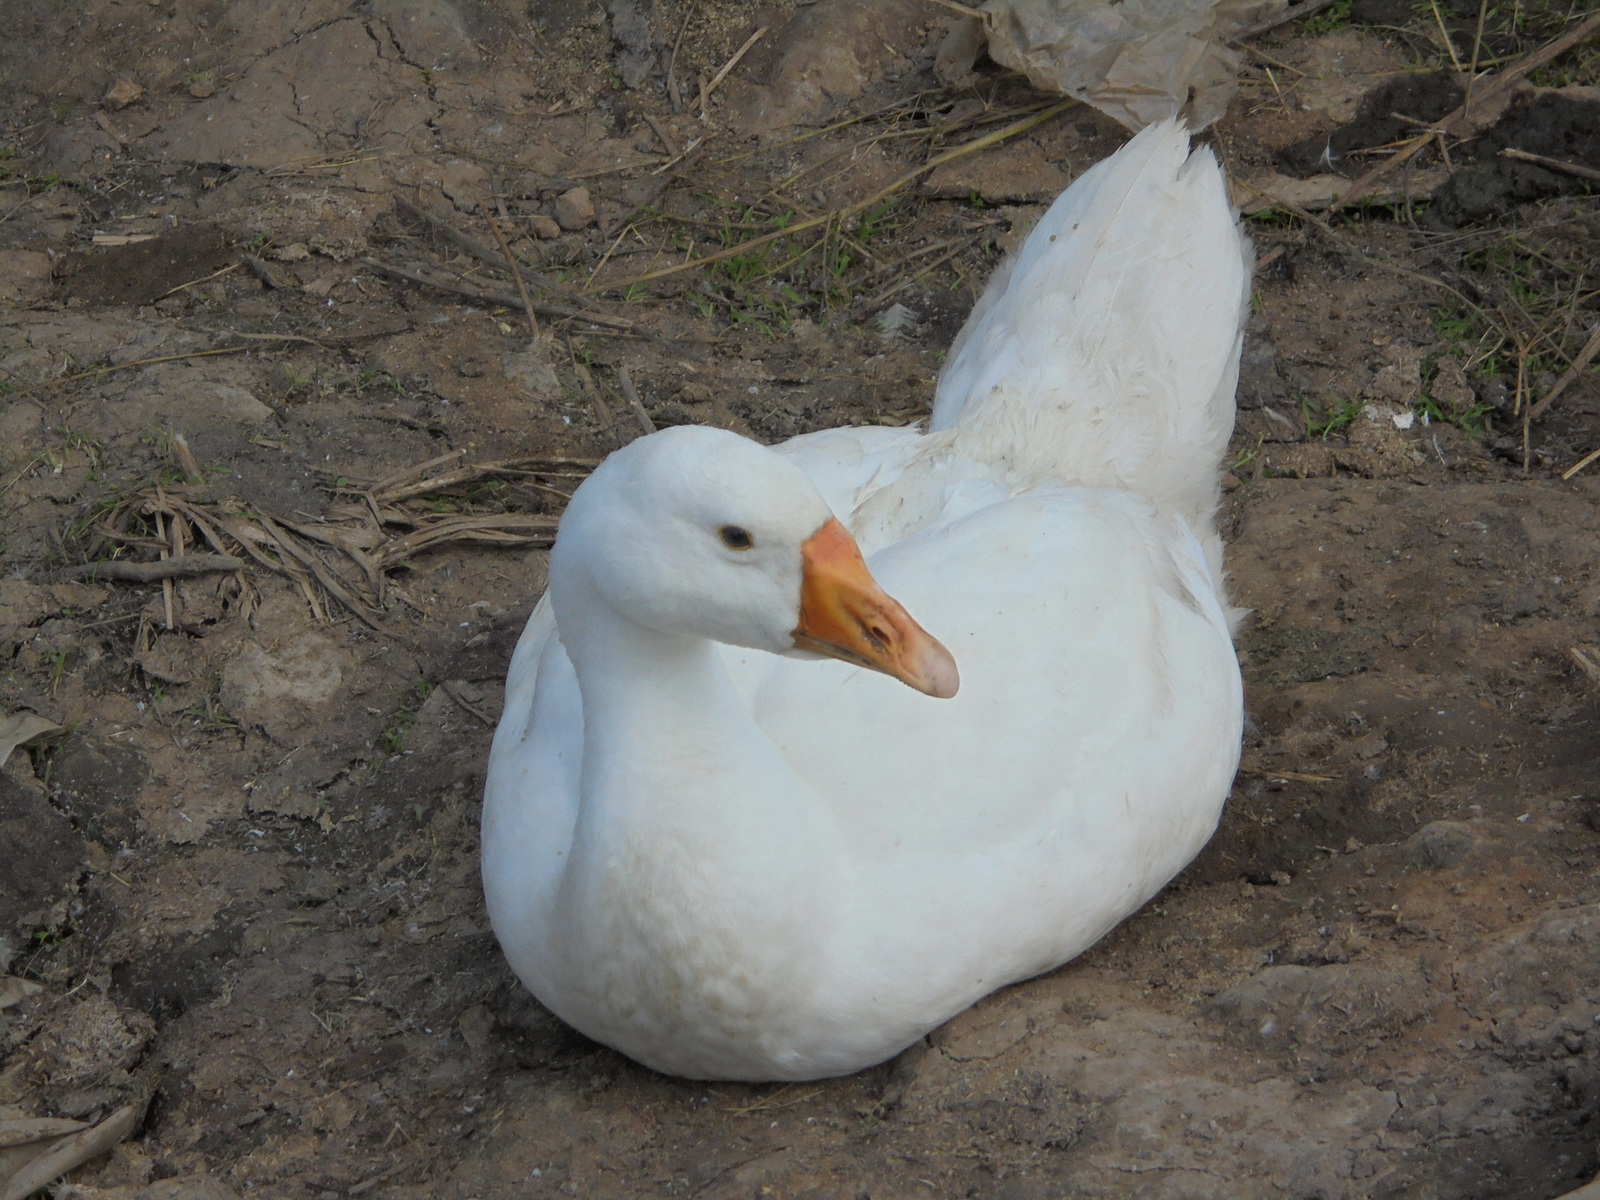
(575, 209)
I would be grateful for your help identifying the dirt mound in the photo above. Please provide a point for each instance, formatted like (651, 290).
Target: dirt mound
(281, 451)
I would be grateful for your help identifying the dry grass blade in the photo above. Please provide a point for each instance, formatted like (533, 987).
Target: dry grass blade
(673, 92)
(631, 394)
(1460, 122)
(478, 250)
(1585, 357)
(516, 274)
(395, 489)
(860, 206)
(409, 474)
(141, 362)
(960, 248)
(341, 559)
(1580, 464)
(354, 542)
(487, 295)
(508, 530)
(291, 549)
(1349, 247)
(716, 81)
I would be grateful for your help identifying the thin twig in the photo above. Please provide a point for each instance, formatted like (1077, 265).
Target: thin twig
(672, 61)
(467, 705)
(1552, 164)
(1449, 46)
(1585, 357)
(667, 140)
(936, 263)
(186, 460)
(631, 394)
(140, 362)
(227, 270)
(1580, 464)
(1458, 121)
(516, 275)
(483, 253)
(716, 80)
(586, 381)
(488, 296)
(181, 567)
(1345, 244)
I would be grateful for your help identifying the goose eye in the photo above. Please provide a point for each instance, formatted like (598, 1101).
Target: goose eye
(735, 538)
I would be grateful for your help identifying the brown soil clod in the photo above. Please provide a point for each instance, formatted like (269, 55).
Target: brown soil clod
(280, 468)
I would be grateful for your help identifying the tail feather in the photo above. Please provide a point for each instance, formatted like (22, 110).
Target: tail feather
(1106, 352)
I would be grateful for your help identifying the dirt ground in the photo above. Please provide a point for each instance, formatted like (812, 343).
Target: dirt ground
(238, 886)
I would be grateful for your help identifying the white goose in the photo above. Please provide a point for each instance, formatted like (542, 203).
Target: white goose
(729, 860)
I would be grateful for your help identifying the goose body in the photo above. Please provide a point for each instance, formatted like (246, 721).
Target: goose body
(728, 860)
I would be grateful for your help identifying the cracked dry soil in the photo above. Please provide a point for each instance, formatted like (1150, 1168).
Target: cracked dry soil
(246, 872)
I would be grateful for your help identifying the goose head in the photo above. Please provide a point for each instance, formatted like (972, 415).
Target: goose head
(700, 532)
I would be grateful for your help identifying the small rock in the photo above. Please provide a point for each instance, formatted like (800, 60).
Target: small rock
(1400, 375)
(122, 93)
(22, 606)
(1450, 389)
(465, 183)
(239, 405)
(529, 370)
(267, 684)
(1440, 844)
(630, 29)
(323, 284)
(575, 209)
(476, 1024)
(1370, 745)
(545, 228)
(24, 274)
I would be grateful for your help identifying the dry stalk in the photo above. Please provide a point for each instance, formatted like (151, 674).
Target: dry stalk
(488, 296)
(341, 560)
(183, 567)
(673, 92)
(1585, 357)
(1580, 464)
(484, 254)
(1460, 122)
(716, 80)
(516, 275)
(1552, 164)
(860, 206)
(631, 394)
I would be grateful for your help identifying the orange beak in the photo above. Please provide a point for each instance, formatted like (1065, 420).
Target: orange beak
(844, 614)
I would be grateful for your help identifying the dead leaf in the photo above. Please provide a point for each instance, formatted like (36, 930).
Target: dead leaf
(14, 991)
(20, 728)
